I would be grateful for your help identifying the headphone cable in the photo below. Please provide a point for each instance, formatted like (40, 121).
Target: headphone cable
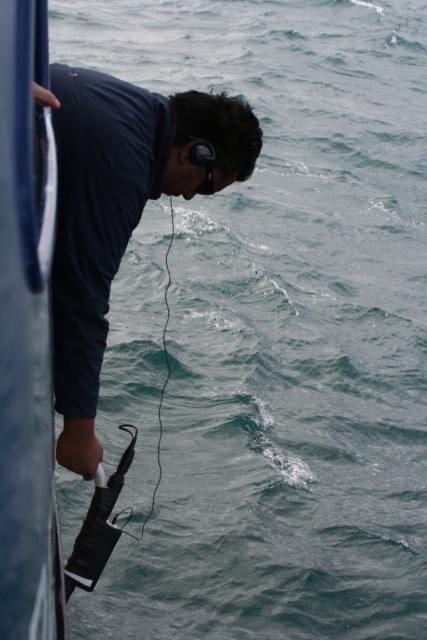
(162, 393)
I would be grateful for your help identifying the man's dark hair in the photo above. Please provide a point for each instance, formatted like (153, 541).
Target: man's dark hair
(228, 123)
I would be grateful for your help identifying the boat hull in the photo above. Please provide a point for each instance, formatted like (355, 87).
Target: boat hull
(30, 580)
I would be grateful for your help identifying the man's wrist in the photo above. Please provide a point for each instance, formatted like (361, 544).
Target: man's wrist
(83, 426)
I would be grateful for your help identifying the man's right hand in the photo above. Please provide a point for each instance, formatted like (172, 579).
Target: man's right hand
(78, 449)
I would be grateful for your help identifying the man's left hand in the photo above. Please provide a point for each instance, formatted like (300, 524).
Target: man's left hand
(44, 98)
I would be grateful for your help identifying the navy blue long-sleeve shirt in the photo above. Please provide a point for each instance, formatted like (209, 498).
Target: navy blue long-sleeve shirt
(113, 141)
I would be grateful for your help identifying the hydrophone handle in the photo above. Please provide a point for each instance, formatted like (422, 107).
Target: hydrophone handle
(100, 477)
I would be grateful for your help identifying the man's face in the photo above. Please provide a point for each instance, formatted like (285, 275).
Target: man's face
(183, 178)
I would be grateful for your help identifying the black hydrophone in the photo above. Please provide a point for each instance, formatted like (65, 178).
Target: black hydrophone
(98, 535)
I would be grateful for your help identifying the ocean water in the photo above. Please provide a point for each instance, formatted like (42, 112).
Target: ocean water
(293, 503)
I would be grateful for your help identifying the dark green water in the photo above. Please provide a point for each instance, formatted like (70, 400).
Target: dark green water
(294, 497)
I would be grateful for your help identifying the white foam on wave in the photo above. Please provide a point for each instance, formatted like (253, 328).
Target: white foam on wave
(281, 174)
(289, 469)
(393, 38)
(218, 320)
(403, 543)
(193, 223)
(257, 247)
(302, 169)
(215, 318)
(383, 206)
(279, 288)
(265, 418)
(282, 290)
(368, 5)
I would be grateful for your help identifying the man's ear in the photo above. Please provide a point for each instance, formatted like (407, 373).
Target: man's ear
(184, 151)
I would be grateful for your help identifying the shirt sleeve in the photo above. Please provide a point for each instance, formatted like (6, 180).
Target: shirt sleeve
(97, 214)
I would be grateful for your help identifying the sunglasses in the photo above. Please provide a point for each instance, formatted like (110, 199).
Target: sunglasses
(207, 187)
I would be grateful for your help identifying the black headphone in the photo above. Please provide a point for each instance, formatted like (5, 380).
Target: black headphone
(203, 154)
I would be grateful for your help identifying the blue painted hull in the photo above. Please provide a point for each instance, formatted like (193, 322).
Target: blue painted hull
(30, 579)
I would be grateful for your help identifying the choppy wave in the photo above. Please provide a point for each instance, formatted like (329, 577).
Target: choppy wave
(287, 468)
